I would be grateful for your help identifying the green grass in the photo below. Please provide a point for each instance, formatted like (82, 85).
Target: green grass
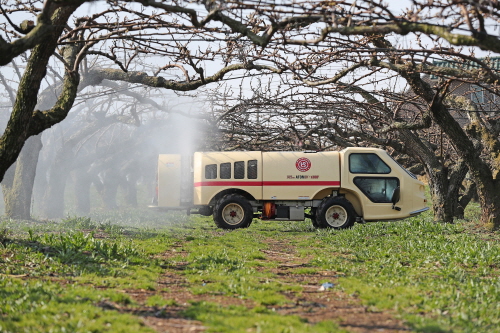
(55, 277)
(434, 274)
(36, 306)
(259, 319)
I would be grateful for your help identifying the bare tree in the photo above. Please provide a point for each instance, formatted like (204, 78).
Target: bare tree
(122, 32)
(108, 34)
(323, 118)
(463, 24)
(348, 45)
(359, 36)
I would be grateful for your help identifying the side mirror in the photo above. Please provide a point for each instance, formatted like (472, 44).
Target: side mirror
(396, 195)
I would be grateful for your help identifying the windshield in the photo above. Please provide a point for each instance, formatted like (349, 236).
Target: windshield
(408, 172)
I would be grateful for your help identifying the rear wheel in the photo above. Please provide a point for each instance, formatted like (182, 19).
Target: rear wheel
(233, 211)
(335, 212)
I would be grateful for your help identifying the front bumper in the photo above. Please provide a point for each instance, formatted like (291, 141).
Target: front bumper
(419, 211)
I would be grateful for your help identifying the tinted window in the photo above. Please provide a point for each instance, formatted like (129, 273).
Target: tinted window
(252, 169)
(211, 171)
(377, 189)
(225, 171)
(239, 170)
(367, 163)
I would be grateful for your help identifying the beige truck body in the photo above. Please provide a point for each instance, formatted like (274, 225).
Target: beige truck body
(292, 182)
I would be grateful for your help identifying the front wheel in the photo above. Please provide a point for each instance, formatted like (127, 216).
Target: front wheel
(233, 211)
(335, 212)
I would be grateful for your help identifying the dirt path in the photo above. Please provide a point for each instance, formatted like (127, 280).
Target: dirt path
(312, 304)
(317, 305)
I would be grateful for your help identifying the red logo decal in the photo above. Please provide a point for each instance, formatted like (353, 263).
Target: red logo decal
(303, 164)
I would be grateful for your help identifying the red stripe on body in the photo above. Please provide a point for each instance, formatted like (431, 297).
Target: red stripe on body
(302, 183)
(268, 183)
(219, 183)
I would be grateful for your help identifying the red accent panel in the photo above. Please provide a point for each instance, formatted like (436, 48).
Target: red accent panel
(269, 183)
(302, 183)
(220, 183)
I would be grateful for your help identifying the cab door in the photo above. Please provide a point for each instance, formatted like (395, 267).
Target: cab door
(374, 181)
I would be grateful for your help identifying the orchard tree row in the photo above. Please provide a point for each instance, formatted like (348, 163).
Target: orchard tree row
(322, 75)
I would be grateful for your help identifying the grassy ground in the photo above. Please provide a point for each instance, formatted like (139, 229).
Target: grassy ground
(139, 271)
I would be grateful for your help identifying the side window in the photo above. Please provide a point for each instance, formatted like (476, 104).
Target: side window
(239, 170)
(225, 171)
(211, 171)
(377, 189)
(367, 163)
(252, 169)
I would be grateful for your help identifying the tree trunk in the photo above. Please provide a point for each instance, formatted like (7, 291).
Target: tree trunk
(8, 181)
(64, 162)
(445, 196)
(23, 123)
(444, 183)
(488, 187)
(469, 194)
(83, 182)
(488, 191)
(131, 190)
(18, 197)
(53, 201)
(132, 174)
(111, 182)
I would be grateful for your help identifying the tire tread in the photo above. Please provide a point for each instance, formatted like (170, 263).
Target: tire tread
(327, 203)
(232, 198)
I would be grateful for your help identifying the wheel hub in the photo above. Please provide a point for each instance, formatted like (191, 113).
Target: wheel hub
(233, 213)
(336, 216)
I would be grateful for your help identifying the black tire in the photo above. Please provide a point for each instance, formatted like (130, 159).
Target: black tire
(336, 213)
(233, 211)
(205, 211)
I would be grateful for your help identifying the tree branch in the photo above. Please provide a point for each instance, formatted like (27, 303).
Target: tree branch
(483, 41)
(159, 82)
